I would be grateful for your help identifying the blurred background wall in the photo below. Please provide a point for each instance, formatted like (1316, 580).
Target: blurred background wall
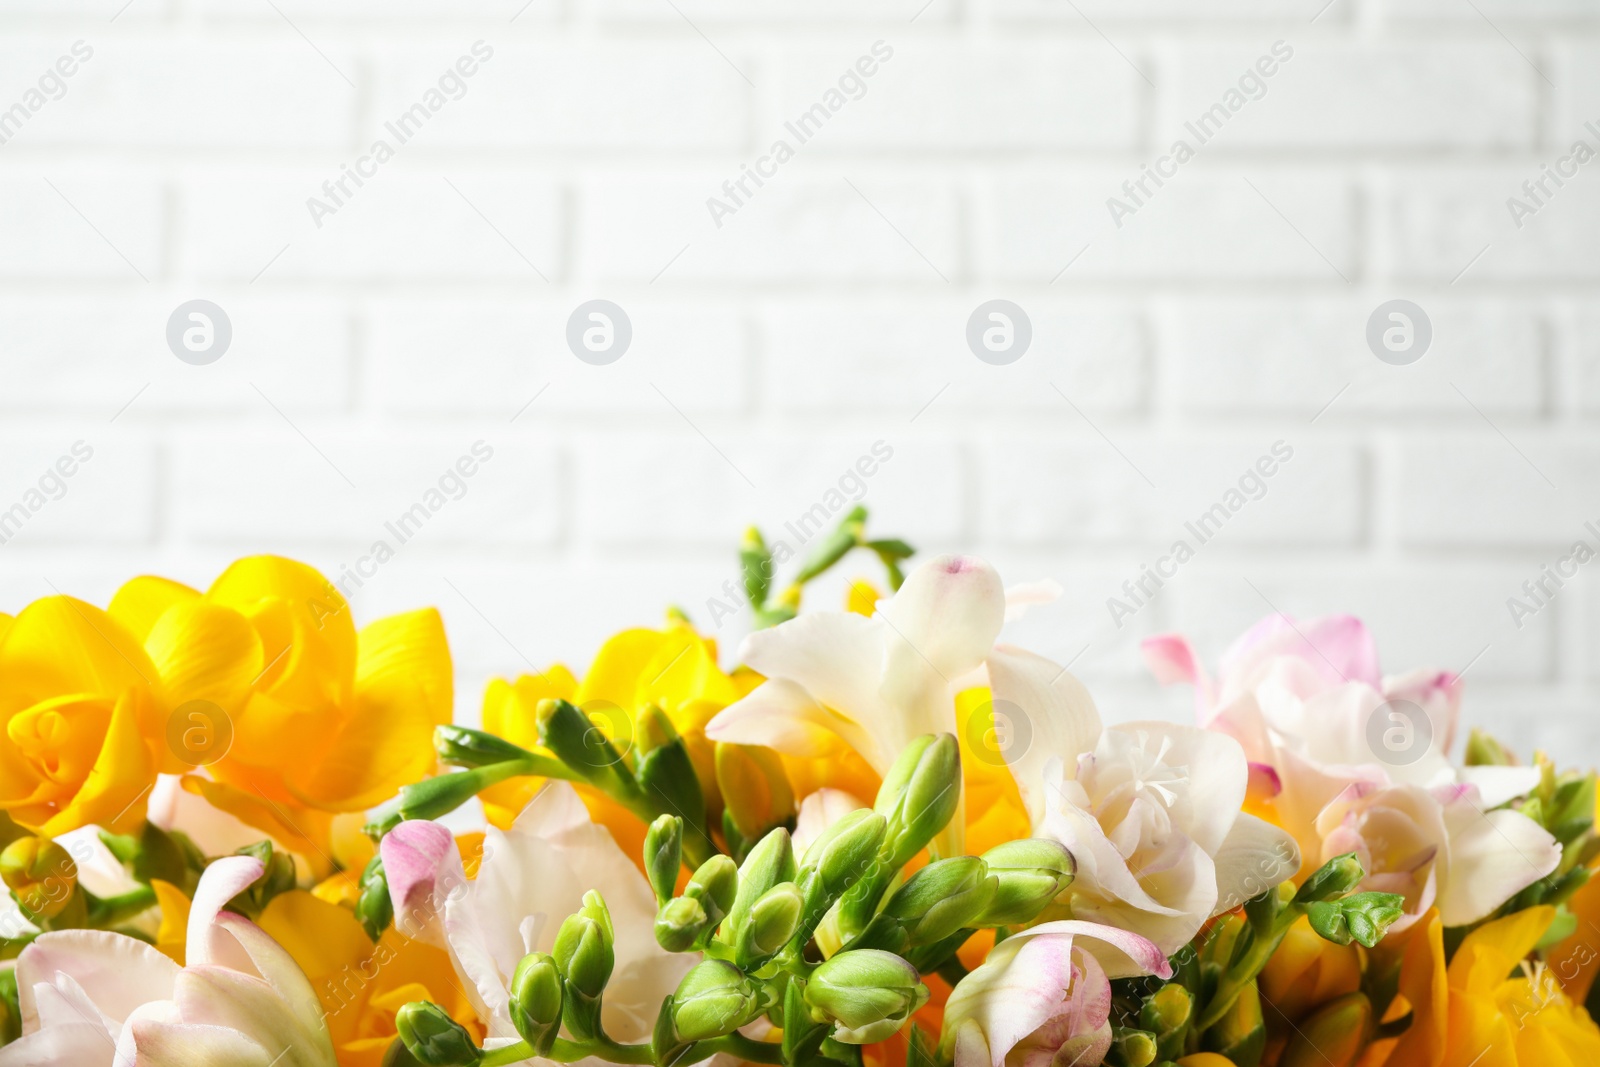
(386, 333)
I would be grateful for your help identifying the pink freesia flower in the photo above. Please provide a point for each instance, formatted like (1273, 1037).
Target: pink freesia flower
(1347, 759)
(1042, 997)
(92, 998)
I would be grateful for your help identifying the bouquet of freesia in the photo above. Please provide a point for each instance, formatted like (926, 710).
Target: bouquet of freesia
(237, 830)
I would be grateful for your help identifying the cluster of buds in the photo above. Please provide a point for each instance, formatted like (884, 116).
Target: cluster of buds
(758, 924)
(1214, 1002)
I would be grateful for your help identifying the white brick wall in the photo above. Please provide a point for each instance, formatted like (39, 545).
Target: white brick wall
(373, 346)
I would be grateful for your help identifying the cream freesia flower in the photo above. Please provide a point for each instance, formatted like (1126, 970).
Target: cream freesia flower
(92, 998)
(532, 877)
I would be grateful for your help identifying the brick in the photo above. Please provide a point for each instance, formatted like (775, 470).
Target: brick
(1580, 350)
(797, 227)
(313, 12)
(66, 353)
(933, 97)
(1270, 356)
(1422, 614)
(492, 356)
(398, 225)
(107, 498)
(674, 487)
(1477, 491)
(1354, 95)
(1532, 11)
(191, 93)
(824, 357)
(777, 12)
(273, 484)
(1437, 222)
(674, 96)
(1040, 491)
(1201, 224)
(1576, 98)
(1161, 12)
(52, 221)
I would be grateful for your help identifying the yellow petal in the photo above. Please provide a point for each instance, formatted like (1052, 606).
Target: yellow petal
(5, 624)
(509, 707)
(1494, 949)
(1424, 986)
(140, 603)
(205, 652)
(343, 888)
(683, 678)
(301, 831)
(114, 794)
(323, 938)
(173, 934)
(62, 645)
(307, 636)
(404, 688)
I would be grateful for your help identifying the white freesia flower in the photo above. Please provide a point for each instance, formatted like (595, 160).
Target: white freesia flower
(533, 876)
(92, 998)
(874, 683)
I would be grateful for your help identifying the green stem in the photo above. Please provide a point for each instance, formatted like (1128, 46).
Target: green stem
(745, 1048)
(108, 911)
(565, 1051)
(1250, 965)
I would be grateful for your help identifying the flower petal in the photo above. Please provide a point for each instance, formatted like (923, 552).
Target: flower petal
(190, 1045)
(77, 1044)
(223, 880)
(418, 857)
(1493, 856)
(782, 715)
(118, 973)
(1254, 857)
(141, 602)
(1057, 711)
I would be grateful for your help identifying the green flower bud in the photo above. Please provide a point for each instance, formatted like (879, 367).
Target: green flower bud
(1166, 1013)
(868, 994)
(663, 855)
(536, 1000)
(575, 740)
(1134, 1048)
(374, 906)
(1334, 1036)
(1241, 1034)
(1484, 751)
(435, 797)
(1362, 917)
(843, 852)
(584, 947)
(462, 746)
(1031, 874)
(679, 922)
(831, 548)
(433, 1038)
(943, 897)
(755, 566)
(715, 884)
(714, 998)
(1333, 879)
(770, 862)
(772, 921)
(920, 794)
(40, 874)
(666, 772)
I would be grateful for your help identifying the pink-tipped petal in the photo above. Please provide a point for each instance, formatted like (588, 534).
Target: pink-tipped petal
(118, 973)
(1171, 659)
(1265, 782)
(223, 880)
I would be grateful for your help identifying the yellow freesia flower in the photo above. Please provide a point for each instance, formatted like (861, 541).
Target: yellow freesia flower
(1498, 1009)
(84, 711)
(324, 719)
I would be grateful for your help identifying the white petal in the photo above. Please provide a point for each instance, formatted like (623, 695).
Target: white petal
(223, 880)
(117, 972)
(1254, 857)
(1493, 856)
(1216, 771)
(74, 1045)
(1019, 598)
(1497, 785)
(189, 1045)
(836, 657)
(781, 715)
(1056, 712)
(941, 624)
